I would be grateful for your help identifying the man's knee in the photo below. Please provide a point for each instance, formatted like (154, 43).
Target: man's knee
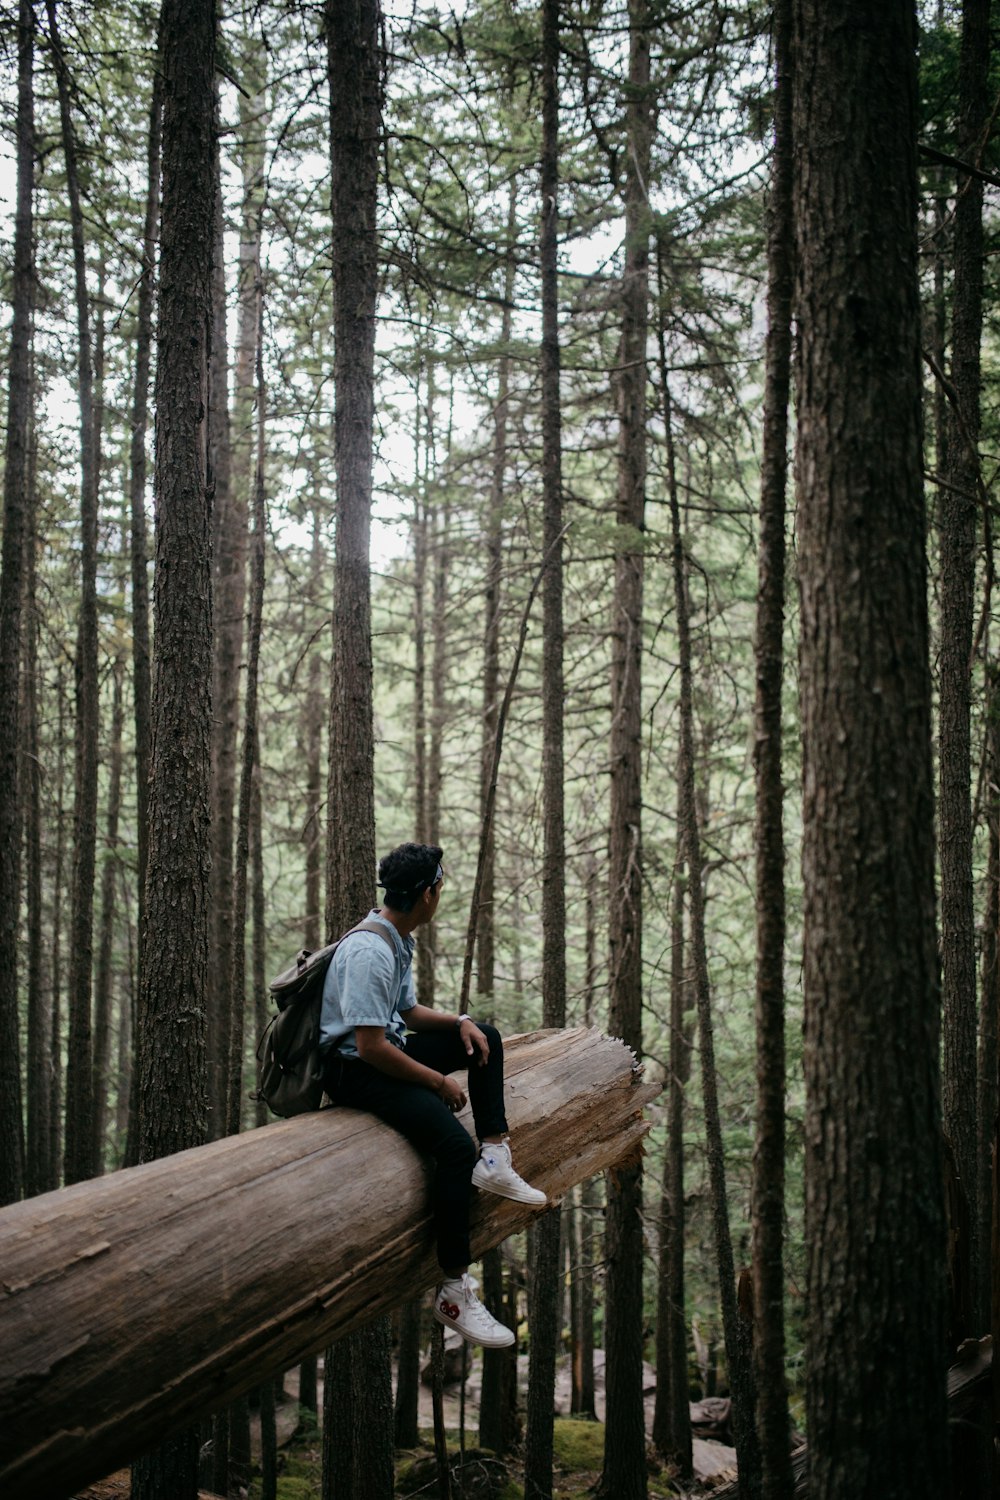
(492, 1036)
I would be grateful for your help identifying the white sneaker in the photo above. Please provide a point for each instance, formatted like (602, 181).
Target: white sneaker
(494, 1173)
(457, 1306)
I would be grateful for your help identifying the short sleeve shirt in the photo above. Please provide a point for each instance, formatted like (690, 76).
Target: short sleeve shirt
(367, 984)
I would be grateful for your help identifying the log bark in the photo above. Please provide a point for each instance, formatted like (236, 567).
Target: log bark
(132, 1304)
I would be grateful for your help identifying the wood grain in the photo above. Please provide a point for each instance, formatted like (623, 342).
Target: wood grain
(133, 1303)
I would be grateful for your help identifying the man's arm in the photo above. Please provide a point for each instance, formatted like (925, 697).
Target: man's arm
(375, 1049)
(423, 1018)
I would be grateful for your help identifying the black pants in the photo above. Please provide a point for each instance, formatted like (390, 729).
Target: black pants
(427, 1122)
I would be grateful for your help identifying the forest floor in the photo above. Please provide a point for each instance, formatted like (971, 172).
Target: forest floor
(578, 1451)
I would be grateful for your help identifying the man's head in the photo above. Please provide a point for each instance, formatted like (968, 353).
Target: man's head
(411, 875)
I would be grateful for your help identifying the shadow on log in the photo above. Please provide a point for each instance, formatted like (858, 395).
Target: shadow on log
(134, 1303)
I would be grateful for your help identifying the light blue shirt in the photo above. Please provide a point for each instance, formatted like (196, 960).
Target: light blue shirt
(367, 984)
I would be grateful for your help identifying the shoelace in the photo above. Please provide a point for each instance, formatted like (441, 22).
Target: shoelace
(475, 1311)
(511, 1172)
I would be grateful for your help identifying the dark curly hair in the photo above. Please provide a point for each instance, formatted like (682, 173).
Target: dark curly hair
(407, 871)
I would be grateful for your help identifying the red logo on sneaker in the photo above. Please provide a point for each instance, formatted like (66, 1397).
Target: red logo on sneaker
(450, 1309)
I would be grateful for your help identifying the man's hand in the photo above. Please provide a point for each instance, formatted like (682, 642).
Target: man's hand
(474, 1041)
(451, 1093)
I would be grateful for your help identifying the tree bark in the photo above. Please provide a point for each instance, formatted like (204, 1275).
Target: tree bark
(201, 1299)
(498, 1421)
(250, 739)
(141, 654)
(16, 522)
(58, 864)
(440, 534)
(738, 1359)
(423, 753)
(486, 925)
(259, 910)
(406, 1404)
(268, 1442)
(103, 974)
(874, 1211)
(624, 1474)
(313, 751)
(768, 1188)
(583, 1399)
(672, 1411)
(79, 1156)
(229, 546)
(546, 1282)
(355, 128)
(358, 1449)
(40, 1175)
(141, 673)
(989, 1094)
(958, 511)
(172, 1011)
(174, 983)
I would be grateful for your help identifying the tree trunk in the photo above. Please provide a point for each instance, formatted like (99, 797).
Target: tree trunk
(40, 1176)
(440, 652)
(583, 1398)
(355, 120)
(313, 749)
(103, 975)
(174, 982)
(407, 1401)
(229, 543)
(141, 657)
(357, 1447)
(738, 1359)
(498, 1398)
(259, 910)
(873, 1153)
(250, 737)
(486, 925)
(989, 1097)
(958, 509)
(406, 1405)
(79, 1157)
(440, 533)
(58, 863)
(546, 1282)
(16, 523)
(624, 1475)
(424, 956)
(672, 1411)
(768, 1188)
(124, 1068)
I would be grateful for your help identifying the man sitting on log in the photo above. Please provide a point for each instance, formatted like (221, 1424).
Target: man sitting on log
(370, 1063)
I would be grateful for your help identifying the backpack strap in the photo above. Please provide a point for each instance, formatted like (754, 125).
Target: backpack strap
(369, 926)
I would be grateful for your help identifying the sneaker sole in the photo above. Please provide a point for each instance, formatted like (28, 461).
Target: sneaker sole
(512, 1193)
(484, 1341)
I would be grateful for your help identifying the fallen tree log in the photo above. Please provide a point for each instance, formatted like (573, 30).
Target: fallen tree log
(132, 1304)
